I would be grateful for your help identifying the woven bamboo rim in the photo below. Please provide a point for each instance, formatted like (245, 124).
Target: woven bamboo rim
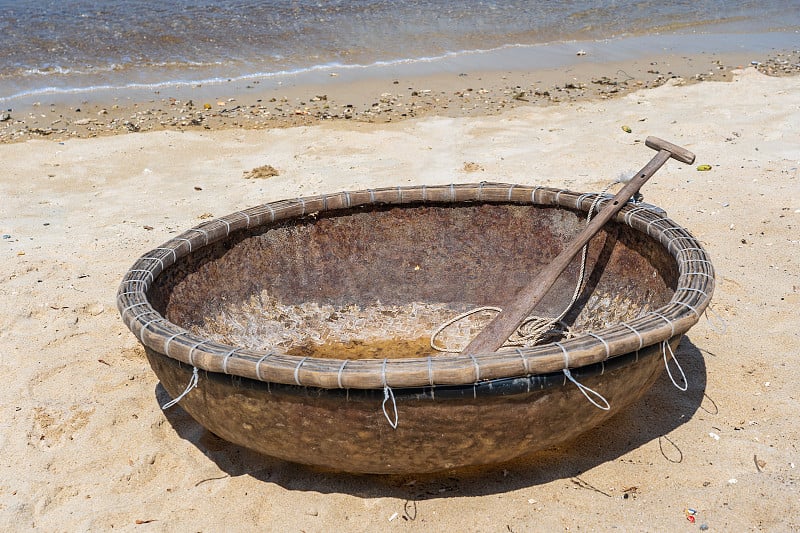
(692, 295)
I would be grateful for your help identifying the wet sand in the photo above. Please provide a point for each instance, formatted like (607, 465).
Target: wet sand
(246, 105)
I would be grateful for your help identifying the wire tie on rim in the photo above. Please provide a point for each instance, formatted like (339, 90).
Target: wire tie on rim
(664, 347)
(138, 304)
(524, 357)
(680, 302)
(297, 370)
(191, 352)
(169, 340)
(638, 335)
(258, 366)
(339, 374)
(667, 320)
(203, 232)
(192, 384)
(533, 194)
(225, 360)
(148, 272)
(566, 354)
(146, 324)
(184, 239)
(630, 213)
(695, 273)
(477, 368)
(605, 344)
(174, 254)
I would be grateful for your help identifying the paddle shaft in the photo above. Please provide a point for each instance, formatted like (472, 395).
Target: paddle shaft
(515, 312)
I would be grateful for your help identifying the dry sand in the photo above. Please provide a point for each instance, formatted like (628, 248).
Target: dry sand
(84, 445)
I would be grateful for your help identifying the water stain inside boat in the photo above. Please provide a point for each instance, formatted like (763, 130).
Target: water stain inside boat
(310, 329)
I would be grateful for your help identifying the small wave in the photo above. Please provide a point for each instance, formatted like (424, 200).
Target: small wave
(59, 70)
(215, 80)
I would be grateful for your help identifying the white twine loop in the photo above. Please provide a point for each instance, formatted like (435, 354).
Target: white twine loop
(717, 323)
(585, 390)
(388, 394)
(192, 384)
(452, 321)
(664, 347)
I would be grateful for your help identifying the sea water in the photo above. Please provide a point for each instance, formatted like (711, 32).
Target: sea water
(54, 47)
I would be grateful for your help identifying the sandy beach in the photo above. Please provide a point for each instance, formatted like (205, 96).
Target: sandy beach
(84, 445)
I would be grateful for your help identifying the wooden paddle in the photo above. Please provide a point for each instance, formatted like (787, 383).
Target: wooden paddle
(516, 311)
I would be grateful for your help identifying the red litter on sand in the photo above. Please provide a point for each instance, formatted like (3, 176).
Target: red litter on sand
(690, 514)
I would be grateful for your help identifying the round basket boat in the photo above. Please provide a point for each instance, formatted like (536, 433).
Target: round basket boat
(300, 328)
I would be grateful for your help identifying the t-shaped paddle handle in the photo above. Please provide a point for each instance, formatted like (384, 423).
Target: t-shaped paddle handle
(495, 334)
(676, 152)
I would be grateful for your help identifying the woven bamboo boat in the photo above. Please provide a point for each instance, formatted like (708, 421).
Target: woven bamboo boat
(393, 405)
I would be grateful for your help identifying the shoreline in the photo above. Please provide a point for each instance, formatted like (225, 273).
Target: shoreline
(379, 96)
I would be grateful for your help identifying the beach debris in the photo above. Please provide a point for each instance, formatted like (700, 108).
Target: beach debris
(580, 53)
(206, 106)
(472, 167)
(5, 116)
(703, 527)
(733, 481)
(713, 435)
(262, 172)
(393, 517)
(630, 492)
(627, 129)
(690, 514)
(94, 309)
(760, 463)
(703, 168)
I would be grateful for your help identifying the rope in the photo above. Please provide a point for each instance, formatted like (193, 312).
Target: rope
(192, 384)
(664, 348)
(716, 322)
(535, 329)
